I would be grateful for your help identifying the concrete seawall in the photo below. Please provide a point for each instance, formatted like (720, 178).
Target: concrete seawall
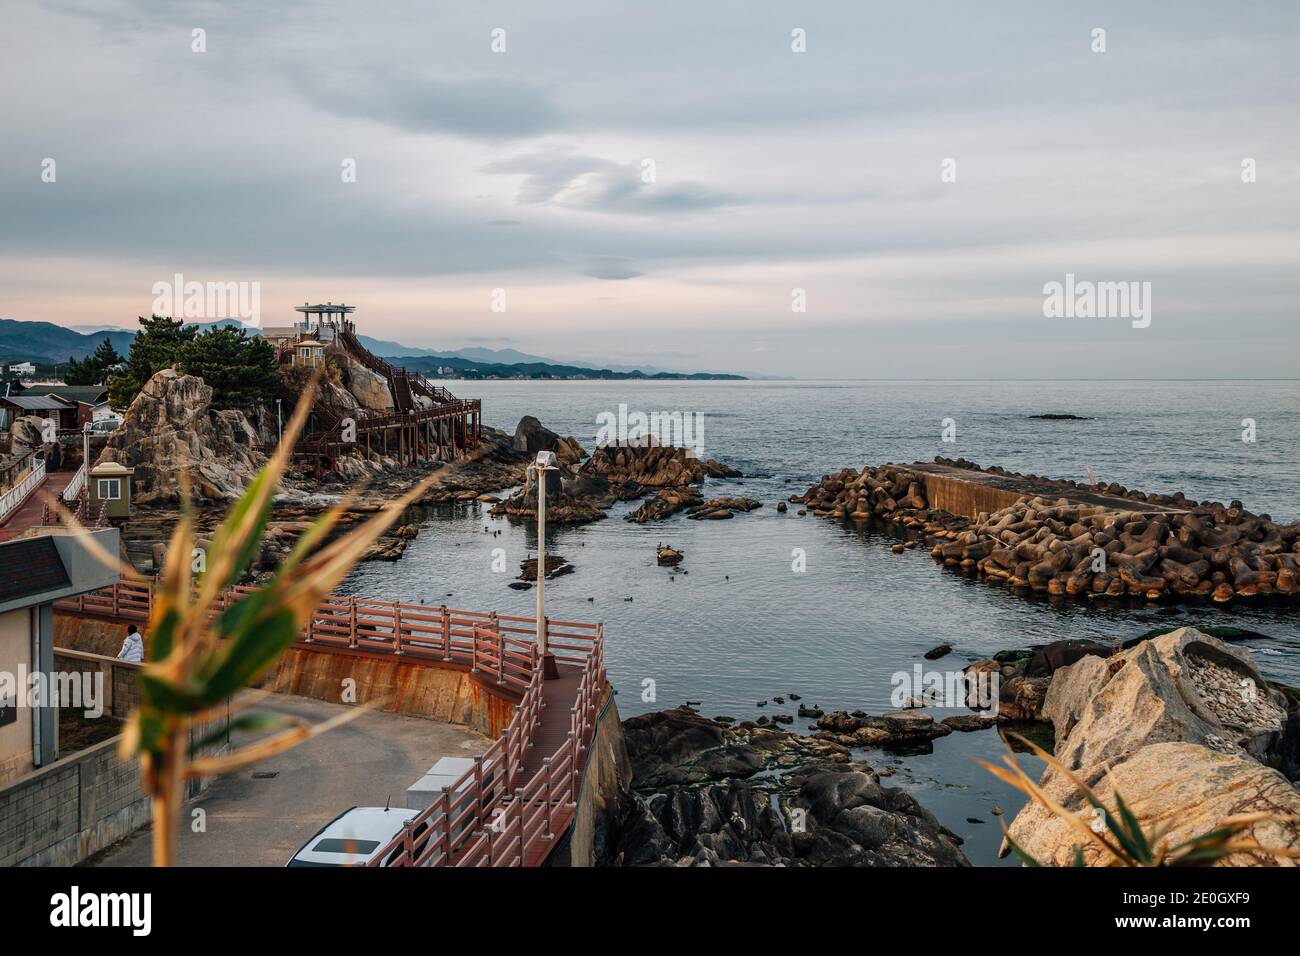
(608, 778)
(962, 491)
(442, 691)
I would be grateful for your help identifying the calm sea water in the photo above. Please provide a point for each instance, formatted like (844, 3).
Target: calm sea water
(737, 624)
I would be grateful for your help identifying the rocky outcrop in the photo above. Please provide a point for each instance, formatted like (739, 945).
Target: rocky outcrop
(716, 508)
(699, 800)
(584, 492)
(570, 499)
(664, 503)
(655, 466)
(531, 436)
(1183, 727)
(171, 427)
(25, 436)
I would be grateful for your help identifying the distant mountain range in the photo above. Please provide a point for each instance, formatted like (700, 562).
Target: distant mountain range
(465, 368)
(46, 343)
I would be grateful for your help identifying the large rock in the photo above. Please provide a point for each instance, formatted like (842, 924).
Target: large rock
(1188, 786)
(369, 388)
(656, 466)
(1184, 685)
(1179, 726)
(531, 436)
(171, 427)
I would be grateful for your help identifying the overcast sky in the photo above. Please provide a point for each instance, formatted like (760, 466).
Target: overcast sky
(774, 170)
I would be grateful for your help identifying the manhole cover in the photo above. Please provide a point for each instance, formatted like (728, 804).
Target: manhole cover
(265, 774)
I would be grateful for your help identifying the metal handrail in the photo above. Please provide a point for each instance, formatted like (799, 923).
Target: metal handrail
(73, 491)
(12, 499)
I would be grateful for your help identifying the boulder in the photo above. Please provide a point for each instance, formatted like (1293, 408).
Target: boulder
(531, 436)
(1178, 725)
(1191, 787)
(368, 387)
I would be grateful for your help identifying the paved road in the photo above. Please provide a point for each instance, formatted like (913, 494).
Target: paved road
(262, 822)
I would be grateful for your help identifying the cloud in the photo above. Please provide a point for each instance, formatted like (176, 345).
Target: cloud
(489, 108)
(572, 180)
(609, 267)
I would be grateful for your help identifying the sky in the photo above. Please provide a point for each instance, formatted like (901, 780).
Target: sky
(816, 190)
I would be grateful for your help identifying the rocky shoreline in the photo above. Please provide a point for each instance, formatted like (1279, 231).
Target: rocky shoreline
(1180, 724)
(1069, 549)
(708, 794)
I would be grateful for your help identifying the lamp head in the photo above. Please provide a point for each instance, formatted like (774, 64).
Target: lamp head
(546, 459)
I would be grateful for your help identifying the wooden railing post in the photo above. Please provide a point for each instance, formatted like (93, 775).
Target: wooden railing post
(397, 627)
(352, 621)
(576, 773)
(446, 633)
(407, 848)
(546, 795)
(478, 792)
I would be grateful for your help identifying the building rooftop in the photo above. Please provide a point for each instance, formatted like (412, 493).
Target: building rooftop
(34, 403)
(90, 394)
(30, 566)
(42, 568)
(329, 308)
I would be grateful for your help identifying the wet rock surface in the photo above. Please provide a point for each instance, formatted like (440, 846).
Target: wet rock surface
(670, 476)
(709, 794)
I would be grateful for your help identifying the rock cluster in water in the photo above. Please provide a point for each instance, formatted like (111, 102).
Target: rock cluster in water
(670, 475)
(1071, 548)
(705, 794)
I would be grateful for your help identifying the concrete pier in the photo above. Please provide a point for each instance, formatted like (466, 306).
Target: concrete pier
(962, 491)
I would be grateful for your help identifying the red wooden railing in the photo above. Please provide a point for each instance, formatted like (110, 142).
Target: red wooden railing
(491, 816)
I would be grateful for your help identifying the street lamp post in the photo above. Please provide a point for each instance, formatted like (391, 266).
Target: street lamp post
(545, 463)
(85, 458)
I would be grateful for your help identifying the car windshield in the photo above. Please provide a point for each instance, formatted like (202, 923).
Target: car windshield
(335, 845)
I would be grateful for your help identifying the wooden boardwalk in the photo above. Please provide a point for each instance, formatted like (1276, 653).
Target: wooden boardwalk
(31, 511)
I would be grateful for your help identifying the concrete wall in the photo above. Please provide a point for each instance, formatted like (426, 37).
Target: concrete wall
(608, 777)
(966, 498)
(15, 650)
(120, 682)
(444, 692)
(76, 806)
(94, 635)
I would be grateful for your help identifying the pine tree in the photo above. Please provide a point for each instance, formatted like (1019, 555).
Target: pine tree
(156, 346)
(93, 370)
(105, 357)
(242, 371)
(81, 372)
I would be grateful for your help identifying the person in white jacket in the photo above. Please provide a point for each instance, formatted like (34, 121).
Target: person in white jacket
(133, 646)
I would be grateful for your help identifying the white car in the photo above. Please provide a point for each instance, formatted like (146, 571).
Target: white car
(354, 837)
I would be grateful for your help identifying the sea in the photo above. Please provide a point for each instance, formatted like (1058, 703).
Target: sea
(769, 604)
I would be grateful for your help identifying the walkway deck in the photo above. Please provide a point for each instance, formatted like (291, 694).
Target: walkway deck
(517, 802)
(31, 511)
